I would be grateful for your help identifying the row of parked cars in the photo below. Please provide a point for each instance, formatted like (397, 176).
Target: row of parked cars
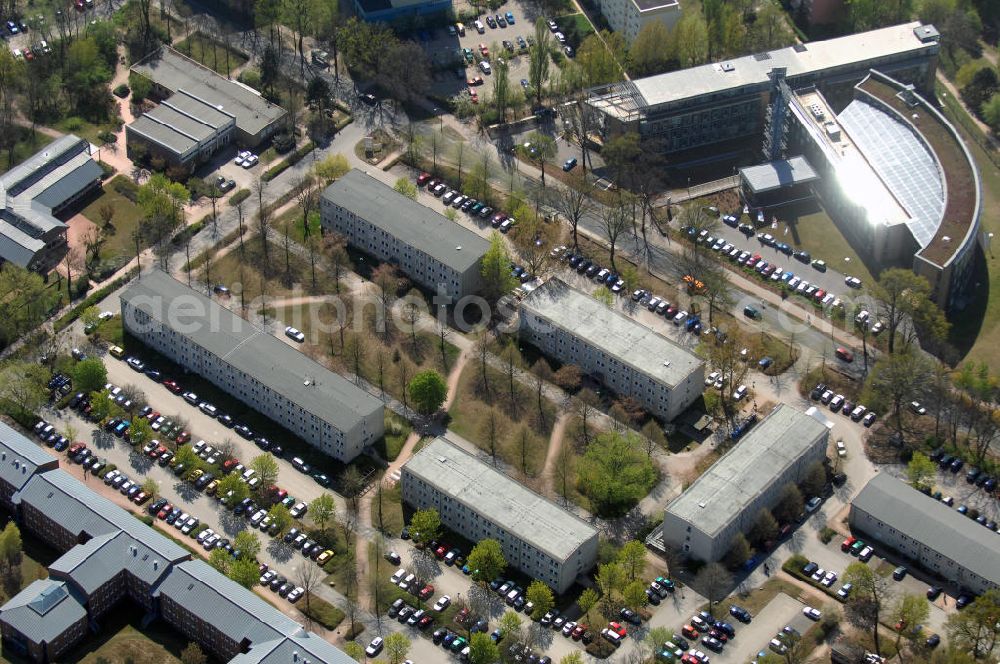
(457, 199)
(839, 403)
(714, 635)
(769, 270)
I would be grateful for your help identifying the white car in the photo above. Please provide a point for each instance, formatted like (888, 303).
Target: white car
(813, 504)
(841, 449)
(837, 402)
(811, 613)
(250, 161)
(485, 67)
(818, 574)
(679, 317)
(241, 157)
(294, 334)
(298, 510)
(296, 593)
(712, 377)
(442, 603)
(740, 392)
(829, 579)
(375, 647)
(205, 534)
(267, 577)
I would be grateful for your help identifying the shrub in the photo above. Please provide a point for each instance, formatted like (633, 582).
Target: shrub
(289, 161)
(126, 188)
(239, 197)
(121, 91)
(827, 534)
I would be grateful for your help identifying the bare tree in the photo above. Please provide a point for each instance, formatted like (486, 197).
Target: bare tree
(614, 222)
(573, 203)
(263, 217)
(309, 578)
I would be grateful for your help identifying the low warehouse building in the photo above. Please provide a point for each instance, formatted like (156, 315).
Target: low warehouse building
(937, 538)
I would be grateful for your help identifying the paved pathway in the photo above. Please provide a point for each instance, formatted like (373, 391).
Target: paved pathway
(556, 441)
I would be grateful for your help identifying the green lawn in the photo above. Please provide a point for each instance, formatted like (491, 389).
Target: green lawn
(25, 146)
(976, 331)
(118, 235)
(576, 27)
(392, 511)
(811, 229)
(210, 53)
(396, 432)
(85, 128)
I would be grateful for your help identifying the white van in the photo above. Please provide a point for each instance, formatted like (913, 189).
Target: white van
(400, 573)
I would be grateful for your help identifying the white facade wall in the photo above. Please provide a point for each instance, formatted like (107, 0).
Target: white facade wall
(656, 397)
(417, 265)
(474, 526)
(341, 445)
(923, 553)
(626, 17)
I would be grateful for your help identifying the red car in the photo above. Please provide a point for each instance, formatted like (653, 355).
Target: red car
(475, 80)
(164, 511)
(618, 629)
(844, 354)
(153, 415)
(819, 295)
(848, 543)
(422, 179)
(462, 615)
(482, 49)
(183, 437)
(140, 498)
(689, 632)
(425, 622)
(426, 591)
(80, 6)
(75, 447)
(578, 632)
(441, 550)
(172, 386)
(157, 451)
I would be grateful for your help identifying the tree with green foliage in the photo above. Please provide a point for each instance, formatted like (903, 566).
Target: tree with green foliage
(690, 39)
(502, 93)
(634, 595)
(648, 53)
(244, 571)
(739, 552)
(909, 611)
(162, 203)
(140, 431)
(482, 649)
(575, 657)
(355, 651)
(396, 646)
(323, 509)
(90, 375)
(232, 482)
(588, 600)
(921, 471)
(614, 473)
(540, 595)
(599, 56)
(428, 391)
(26, 298)
(815, 479)
(510, 623)
(538, 60)
(487, 560)
(331, 168)
(866, 604)
(425, 526)
(10, 547)
(150, 487)
(266, 468)
(990, 111)
(497, 277)
(279, 515)
(610, 581)
(406, 187)
(247, 543)
(632, 558)
(764, 528)
(220, 560)
(140, 87)
(790, 504)
(976, 628)
(900, 296)
(865, 15)
(192, 654)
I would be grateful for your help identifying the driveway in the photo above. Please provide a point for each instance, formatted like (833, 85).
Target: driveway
(752, 638)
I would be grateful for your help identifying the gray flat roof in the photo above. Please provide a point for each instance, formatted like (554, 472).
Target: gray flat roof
(66, 501)
(407, 220)
(229, 607)
(163, 133)
(780, 173)
(20, 458)
(43, 610)
(611, 331)
(302, 647)
(31, 190)
(932, 523)
(254, 351)
(175, 72)
(752, 465)
(502, 500)
(800, 59)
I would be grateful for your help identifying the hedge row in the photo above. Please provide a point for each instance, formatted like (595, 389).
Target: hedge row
(239, 197)
(92, 299)
(126, 188)
(289, 161)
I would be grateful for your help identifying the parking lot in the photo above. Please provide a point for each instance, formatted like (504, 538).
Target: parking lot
(751, 639)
